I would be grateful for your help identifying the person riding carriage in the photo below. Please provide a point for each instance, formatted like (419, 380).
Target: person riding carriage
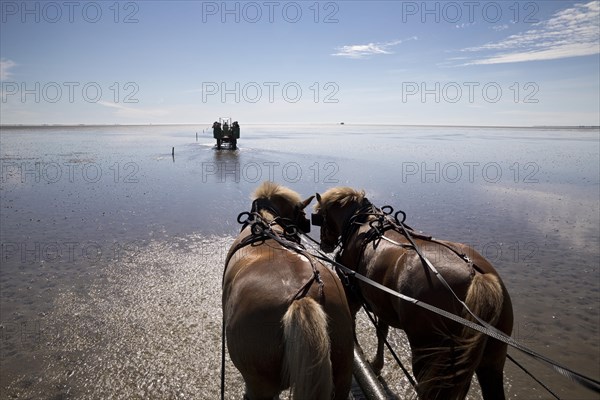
(226, 132)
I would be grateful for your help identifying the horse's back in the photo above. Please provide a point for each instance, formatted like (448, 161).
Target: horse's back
(402, 269)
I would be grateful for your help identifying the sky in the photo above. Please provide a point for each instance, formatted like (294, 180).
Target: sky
(506, 63)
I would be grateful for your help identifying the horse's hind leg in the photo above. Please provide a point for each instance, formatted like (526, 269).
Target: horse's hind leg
(490, 370)
(258, 391)
(491, 382)
(382, 332)
(246, 397)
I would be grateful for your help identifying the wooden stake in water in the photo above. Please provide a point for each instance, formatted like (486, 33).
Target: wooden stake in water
(173, 151)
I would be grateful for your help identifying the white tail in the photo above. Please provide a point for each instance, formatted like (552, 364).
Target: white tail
(307, 363)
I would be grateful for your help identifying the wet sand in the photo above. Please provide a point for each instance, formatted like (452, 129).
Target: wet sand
(112, 250)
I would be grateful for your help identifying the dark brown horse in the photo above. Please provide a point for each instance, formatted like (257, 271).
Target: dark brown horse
(445, 355)
(286, 316)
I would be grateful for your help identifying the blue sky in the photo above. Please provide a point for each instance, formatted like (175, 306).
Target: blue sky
(517, 63)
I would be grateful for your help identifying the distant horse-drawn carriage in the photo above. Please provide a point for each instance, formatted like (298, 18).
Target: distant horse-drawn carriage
(226, 132)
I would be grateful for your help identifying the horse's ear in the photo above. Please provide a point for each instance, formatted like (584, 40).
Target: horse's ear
(307, 202)
(318, 197)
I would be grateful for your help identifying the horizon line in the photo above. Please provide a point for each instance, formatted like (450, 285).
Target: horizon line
(305, 123)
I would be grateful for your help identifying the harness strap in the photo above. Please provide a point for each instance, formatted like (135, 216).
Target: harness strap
(481, 326)
(306, 287)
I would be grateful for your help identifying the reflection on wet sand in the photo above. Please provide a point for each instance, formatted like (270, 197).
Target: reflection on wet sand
(146, 327)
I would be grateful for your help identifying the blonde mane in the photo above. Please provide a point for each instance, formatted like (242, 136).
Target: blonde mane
(270, 190)
(340, 195)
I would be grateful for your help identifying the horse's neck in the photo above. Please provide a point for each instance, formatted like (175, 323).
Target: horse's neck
(351, 252)
(353, 239)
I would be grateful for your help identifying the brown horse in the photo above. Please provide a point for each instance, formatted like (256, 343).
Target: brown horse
(445, 355)
(287, 320)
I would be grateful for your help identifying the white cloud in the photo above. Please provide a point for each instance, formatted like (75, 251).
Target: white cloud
(5, 68)
(499, 28)
(131, 112)
(571, 32)
(366, 50)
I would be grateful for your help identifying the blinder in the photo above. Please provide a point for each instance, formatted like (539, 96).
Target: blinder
(304, 225)
(317, 219)
(302, 222)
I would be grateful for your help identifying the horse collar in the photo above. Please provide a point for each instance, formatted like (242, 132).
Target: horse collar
(259, 225)
(264, 204)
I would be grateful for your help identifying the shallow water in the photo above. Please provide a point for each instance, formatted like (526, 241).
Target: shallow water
(112, 249)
